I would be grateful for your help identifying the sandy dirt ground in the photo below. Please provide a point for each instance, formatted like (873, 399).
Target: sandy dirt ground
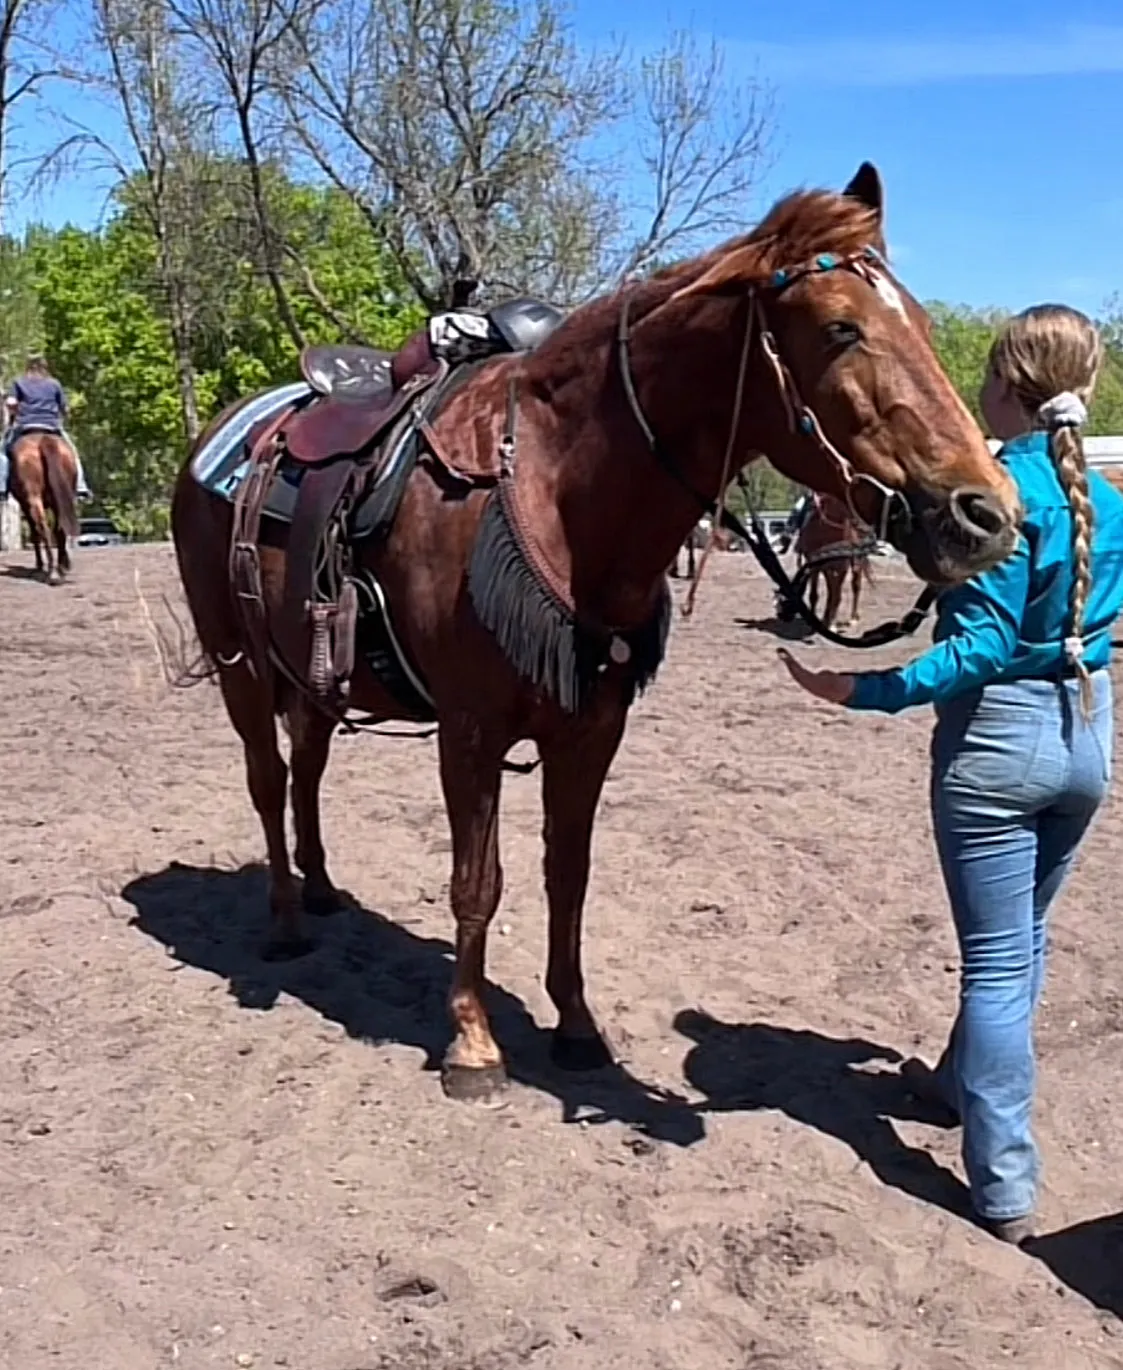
(208, 1160)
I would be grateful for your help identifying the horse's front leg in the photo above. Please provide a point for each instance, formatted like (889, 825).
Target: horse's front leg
(473, 1069)
(575, 762)
(835, 578)
(812, 591)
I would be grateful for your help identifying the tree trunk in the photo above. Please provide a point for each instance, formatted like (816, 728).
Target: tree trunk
(265, 232)
(184, 368)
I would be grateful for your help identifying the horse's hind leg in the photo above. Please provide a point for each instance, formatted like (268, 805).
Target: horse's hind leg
(250, 707)
(311, 733)
(574, 766)
(37, 548)
(856, 574)
(473, 1069)
(41, 540)
(64, 563)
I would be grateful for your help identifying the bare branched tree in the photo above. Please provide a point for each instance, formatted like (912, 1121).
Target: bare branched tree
(459, 130)
(25, 65)
(478, 141)
(142, 66)
(704, 144)
(241, 42)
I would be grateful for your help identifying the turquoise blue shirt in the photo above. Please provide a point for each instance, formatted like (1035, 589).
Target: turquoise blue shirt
(1011, 622)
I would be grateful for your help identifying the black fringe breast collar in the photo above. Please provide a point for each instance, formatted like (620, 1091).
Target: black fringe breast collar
(539, 629)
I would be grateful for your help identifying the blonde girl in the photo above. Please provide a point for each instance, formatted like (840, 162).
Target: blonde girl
(1022, 748)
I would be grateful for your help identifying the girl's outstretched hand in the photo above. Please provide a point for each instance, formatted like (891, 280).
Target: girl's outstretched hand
(833, 686)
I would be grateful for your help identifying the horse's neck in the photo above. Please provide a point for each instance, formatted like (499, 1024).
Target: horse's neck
(626, 513)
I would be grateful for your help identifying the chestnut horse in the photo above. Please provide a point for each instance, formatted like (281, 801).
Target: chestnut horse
(534, 607)
(829, 528)
(698, 536)
(44, 480)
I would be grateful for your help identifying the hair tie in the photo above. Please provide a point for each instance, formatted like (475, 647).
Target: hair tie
(1074, 650)
(1065, 410)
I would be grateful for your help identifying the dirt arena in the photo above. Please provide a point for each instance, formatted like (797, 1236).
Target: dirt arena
(207, 1160)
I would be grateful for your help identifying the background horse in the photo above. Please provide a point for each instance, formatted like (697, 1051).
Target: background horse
(829, 527)
(698, 536)
(44, 480)
(525, 567)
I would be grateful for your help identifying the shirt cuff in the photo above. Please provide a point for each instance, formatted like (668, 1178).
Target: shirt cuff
(870, 690)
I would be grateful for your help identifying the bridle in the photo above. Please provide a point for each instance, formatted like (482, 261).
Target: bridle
(801, 417)
(826, 519)
(804, 422)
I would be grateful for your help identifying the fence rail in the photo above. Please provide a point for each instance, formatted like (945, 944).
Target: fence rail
(10, 532)
(1101, 452)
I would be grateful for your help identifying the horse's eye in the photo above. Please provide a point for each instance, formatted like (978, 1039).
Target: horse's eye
(840, 333)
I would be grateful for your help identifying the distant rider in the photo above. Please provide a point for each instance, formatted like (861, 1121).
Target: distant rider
(36, 403)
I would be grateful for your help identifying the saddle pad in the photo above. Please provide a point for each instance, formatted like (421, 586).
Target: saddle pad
(222, 461)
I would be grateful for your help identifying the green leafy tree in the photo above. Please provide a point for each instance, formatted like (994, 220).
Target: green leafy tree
(112, 351)
(105, 325)
(21, 323)
(962, 338)
(1107, 407)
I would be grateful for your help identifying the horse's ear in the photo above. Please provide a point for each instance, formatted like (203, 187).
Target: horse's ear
(865, 187)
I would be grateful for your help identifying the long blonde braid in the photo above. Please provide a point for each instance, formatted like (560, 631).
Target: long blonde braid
(1072, 468)
(1050, 357)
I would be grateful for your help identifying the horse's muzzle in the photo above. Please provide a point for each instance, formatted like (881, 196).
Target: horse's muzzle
(953, 538)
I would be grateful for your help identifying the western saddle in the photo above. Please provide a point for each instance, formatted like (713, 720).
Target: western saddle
(349, 447)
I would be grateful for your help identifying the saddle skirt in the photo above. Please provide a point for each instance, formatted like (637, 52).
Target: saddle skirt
(326, 476)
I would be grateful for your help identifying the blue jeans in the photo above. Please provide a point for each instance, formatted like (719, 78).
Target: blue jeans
(1017, 777)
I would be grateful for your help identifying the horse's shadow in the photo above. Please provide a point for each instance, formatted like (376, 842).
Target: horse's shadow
(381, 983)
(794, 631)
(21, 572)
(812, 1079)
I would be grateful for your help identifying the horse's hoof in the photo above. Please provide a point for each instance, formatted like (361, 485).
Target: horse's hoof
(579, 1053)
(322, 903)
(287, 948)
(484, 1086)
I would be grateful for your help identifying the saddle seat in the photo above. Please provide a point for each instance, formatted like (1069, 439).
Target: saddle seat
(359, 392)
(353, 375)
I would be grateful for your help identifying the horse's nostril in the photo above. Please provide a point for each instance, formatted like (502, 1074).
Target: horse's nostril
(978, 512)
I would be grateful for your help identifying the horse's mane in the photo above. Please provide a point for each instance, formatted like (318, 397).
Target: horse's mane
(797, 228)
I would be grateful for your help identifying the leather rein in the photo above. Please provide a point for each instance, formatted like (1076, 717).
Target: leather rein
(802, 421)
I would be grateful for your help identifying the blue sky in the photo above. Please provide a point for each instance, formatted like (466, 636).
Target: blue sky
(996, 126)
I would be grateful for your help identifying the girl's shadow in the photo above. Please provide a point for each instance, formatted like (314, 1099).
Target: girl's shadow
(811, 1078)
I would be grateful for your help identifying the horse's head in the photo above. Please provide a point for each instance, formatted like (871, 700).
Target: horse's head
(871, 414)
